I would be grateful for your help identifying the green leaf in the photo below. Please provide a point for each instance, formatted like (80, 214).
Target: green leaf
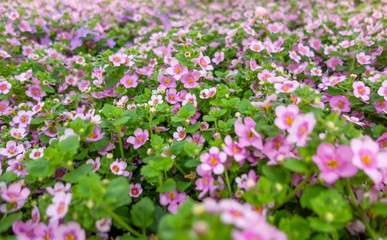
(276, 174)
(9, 220)
(69, 144)
(297, 228)
(118, 191)
(187, 110)
(142, 213)
(72, 177)
(321, 225)
(182, 186)
(193, 128)
(380, 208)
(296, 165)
(39, 168)
(168, 186)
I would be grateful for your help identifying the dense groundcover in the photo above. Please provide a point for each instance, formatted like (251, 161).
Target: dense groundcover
(193, 120)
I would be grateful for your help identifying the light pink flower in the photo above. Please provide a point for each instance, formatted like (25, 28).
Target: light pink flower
(340, 102)
(96, 163)
(233, 149)
(11, 149)
(71, 230)
(173, 199)
(35, 92)
(301, 128)
(36, 153)
(59, 207)
(23, 118)
(129, 81)
(257, 46)
(104, 224)
(15, 193)
(190, 79)
(166, 81)
(213, 160)
(95, 135)
(139, 139)
(383, 90)
(368, 158)
(177, 70)
(363, 59)
(334, 163)
(286, 116)
(361, 91)
(247, 134)
(333, 62)
(205, 183)
(118, 168)
(179, 134)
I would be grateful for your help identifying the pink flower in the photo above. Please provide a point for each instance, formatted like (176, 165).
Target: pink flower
(233, 212)
(15, 193)
(383, 90)
(363, 59)
(233, 149)
(166, 82)
(104, 224)
(253, 230)
(35, 92)
(334, 163)
(286, 87)
(18, 133)
(302, 126)
(11, 149)
(382, 141)
(333, 62)
(257, 46)
(177, 70)
(204, 62)
(244, 178)
(59, 187)
(71, 80)
(266, 75)
(213, 160)
(340, 102)
(173, 199)
(129, 81)
(36, 153)
(361, 91)
(4, 107)
(171, 96)
(139, 139)
(135, 190)
(117, 59)
(274, 27)
(205, 183)
(190, 98)
(155, 100)
(95, 135)
(96, 163)
(218, 57)
(190, 79)
(5, 87)
(59, 207)
(368, 158)
(247, 134)
(179, 134)
(293, 55)
(286, 116)
(196, 138)
(23, 118)
(71, 230)
(118, 168)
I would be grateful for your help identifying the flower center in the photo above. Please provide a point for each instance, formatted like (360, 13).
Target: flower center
(116, 169)
(70, 237)
(167, 81)
(289, 120)
(140, 139)
(172, 195)
(178, 69)
(250, 134)
(340, 105)
(361, 90)
(235, 149)
(366, 159)
(129, 82)
(213, 161)
(332, 164)
(134, 191)
(384, 143)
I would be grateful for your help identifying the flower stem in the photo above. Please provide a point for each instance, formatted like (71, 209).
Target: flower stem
(120, 142)
(118, 219)
(360, 210)
(228, 183)
(293, 193)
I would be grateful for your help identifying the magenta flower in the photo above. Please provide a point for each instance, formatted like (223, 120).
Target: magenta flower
(274, 27)
(173, 199)
(293, 55)
(382, 141)
(233, 149)
(71, 230)
(247, 134)
(363, 59)
(204, 62)
(11, 149)
(382, 90)
(4, 107)
(361, 91)
(129, 81)
(190, 98)
(15, 193)
(367, 157)
(59, 187)
(95, 135)
(205, 183)
(213, 160)
(190, 79)
(135, 190)
(333, 62)
(166, 81)
(334, 163)
(117, 59)
(139, 139)
(35, 92)
(302, 126)
(286, 116)
(340, 102)
(244, 178)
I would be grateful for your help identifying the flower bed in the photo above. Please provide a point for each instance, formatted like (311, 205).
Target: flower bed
(193, 120)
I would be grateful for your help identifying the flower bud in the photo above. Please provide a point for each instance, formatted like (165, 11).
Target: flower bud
(251, 184)
(152, 110)
(278, 187)
(200, 228)
(330, 125)
(109, 156)
(237, 114)
(90, 204)
(329, 216)
(198, 209)
(149, 151)
(56, 100)
(105, 181)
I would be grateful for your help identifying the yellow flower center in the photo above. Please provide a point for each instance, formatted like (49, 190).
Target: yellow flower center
(332, 164)
(213, 160)
(289, 120)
